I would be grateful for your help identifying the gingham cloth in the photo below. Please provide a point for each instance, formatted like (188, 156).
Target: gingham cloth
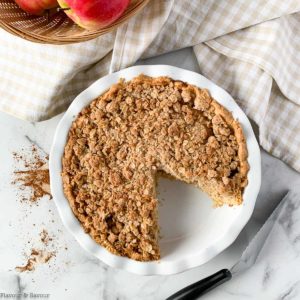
(250, 48)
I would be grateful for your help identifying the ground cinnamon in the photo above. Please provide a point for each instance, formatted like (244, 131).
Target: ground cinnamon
(45, 238)
(36, 257)
(35, 176)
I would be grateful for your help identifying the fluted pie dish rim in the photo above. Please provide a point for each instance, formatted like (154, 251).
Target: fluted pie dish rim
(234, 219)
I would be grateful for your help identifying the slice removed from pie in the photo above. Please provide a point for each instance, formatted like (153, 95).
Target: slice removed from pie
(121, 141)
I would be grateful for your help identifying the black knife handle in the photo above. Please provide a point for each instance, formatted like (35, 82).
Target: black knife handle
(203, 286)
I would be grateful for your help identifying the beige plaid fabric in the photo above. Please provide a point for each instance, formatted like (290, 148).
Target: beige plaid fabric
(250, 48)
(260, 67)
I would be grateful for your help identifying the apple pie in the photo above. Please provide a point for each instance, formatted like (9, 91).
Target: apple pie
(121, 141)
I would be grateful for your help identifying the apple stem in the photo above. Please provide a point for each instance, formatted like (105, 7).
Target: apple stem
(63, 8)
(48, 15)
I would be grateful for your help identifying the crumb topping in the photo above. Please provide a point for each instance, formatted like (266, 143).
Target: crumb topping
(119, 143)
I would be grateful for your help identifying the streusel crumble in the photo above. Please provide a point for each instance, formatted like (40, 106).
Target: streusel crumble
(119, 143)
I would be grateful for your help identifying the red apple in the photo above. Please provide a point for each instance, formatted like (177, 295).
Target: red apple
(36, 7)
(94, 14)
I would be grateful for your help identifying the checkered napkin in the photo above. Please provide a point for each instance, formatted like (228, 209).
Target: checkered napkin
(250, 48)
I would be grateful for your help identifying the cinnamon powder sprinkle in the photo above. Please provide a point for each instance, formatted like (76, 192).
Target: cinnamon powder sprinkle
(35, 176)
(45, 238)
(36, 180)
(36, 257)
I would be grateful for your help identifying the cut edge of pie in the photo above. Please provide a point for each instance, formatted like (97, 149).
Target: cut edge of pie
(139, 240)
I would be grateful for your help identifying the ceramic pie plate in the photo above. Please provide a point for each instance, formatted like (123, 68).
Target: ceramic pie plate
(192, 231)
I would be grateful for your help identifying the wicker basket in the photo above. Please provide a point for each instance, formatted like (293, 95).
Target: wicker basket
(56, 27)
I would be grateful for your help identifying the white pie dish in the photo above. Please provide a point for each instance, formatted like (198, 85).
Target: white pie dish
(193, 232)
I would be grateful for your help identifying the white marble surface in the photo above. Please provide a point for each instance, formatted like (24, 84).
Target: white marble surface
(73, 273)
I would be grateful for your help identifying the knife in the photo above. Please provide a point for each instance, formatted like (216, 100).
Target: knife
(247, 260)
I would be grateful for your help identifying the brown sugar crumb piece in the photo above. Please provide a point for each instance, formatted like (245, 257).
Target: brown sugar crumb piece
(36, 257)
(120, 142)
